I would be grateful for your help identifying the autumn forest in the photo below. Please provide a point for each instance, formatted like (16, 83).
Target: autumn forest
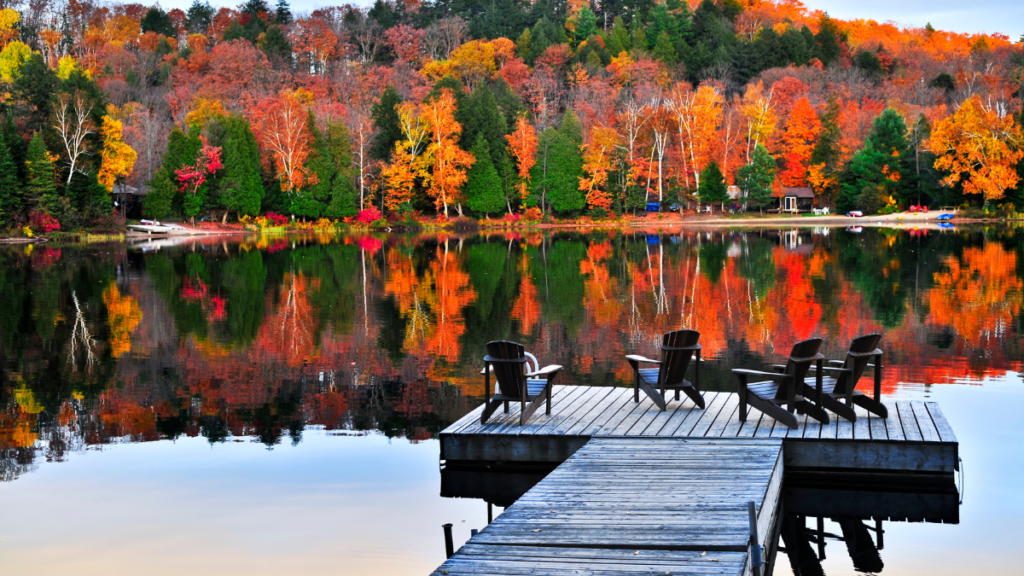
(410, 109)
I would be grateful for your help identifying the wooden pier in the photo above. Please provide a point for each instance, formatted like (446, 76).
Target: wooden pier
(637, 506)
(641, 491)
(914, 438)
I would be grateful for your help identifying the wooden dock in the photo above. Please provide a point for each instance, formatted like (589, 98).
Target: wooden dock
(914, 438)
(625, 506)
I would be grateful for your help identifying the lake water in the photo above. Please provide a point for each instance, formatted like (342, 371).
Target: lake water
(271, 405)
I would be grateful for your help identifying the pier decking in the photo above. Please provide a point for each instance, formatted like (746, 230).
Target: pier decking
(641, 491)
(635, 506)
(914, 438)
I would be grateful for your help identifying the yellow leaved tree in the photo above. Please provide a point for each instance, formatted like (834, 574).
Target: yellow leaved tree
(979, 146)
(118, 158)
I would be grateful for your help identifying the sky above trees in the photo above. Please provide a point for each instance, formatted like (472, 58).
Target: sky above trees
(1003, 16)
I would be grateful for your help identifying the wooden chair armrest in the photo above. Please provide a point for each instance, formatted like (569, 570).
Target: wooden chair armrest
(780, 368)
(492, 360)
(837, 362)
(547, 370)
(818, 356)
(760, 373)
(830, 369)
(641, 359)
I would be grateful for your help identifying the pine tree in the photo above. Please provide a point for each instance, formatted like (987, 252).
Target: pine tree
(311, 200)
(483, 187)
(712, 185)
(40, 192)
(618, 39)
(664, 50)
(283, 13)
(884, 166)
(242, 186)
(161, 191)
(758, 177)
(385, 118)
(556, 176)
(10, 186)
(344, 196)
(182, 150)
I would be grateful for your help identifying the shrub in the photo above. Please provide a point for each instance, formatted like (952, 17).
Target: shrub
(598, 213)
(368, 216)
(533, 214)
(276, 219)
(42, 222)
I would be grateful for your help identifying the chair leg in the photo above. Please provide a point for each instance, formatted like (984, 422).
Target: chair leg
(489, 408)
(843, 410)
(871, 405)
(742, 393)
(694, 395)
(636, 386)
(547, 394)
(772, 409)
(815, 411)
(653, 394)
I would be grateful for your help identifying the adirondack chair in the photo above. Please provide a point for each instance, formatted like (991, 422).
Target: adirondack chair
(510, 364)
(785, 387)
(841, 383)
(677, 349)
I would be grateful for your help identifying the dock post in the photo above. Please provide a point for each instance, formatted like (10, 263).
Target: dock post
(449, 547)
(755, 545)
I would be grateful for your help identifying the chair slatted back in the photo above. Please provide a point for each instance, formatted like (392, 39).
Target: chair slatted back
(857, 359)
(801, 357)
(511, 376)
(677, 349)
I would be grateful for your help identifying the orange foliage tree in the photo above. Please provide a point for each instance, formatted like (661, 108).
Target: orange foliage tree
(596, 162)
(697, 115)
(282, 129)
(400, 175)
(802, 130)
(522, 145)
(979, 146)
(449, 162)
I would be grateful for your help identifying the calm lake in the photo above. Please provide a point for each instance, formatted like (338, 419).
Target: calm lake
(269, 405)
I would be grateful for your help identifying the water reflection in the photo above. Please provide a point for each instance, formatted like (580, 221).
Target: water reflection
(264, 337)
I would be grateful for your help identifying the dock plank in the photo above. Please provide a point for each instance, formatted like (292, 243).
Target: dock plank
(943, 427)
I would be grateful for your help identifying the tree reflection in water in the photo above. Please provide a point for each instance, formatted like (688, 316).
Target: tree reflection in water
(262, 338)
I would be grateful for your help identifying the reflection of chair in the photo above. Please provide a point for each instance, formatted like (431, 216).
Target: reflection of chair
(515, 381)
(769, 396)
(797, 540)
(842, 384)
(677, 349)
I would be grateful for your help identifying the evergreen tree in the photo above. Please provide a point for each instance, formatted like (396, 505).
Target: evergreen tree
(712, 185)
(309, 202)
(241, 185)
(556, 176)
(331, 161)
(39, 191)
(586, 24)
(385, 118)
(664, 50)
(483, 187)
(10, 186)
(758, 177)
(157, 204)
(276, 46)
(182, 150)
(282, 13)
(36, 85)
(883, 167)
(827, 151)
(199, 17)
(158, 21)
(618, 39)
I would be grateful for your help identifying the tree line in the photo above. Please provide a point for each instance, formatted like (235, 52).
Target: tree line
(562, 107)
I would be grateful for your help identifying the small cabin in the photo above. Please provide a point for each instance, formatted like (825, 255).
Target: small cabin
(797, 200)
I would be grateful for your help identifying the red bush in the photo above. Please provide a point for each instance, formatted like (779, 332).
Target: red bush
(42, 222)
(277, 219)
(368, 216)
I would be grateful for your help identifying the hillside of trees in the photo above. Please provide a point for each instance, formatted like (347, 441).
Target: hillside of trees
(484, 109)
